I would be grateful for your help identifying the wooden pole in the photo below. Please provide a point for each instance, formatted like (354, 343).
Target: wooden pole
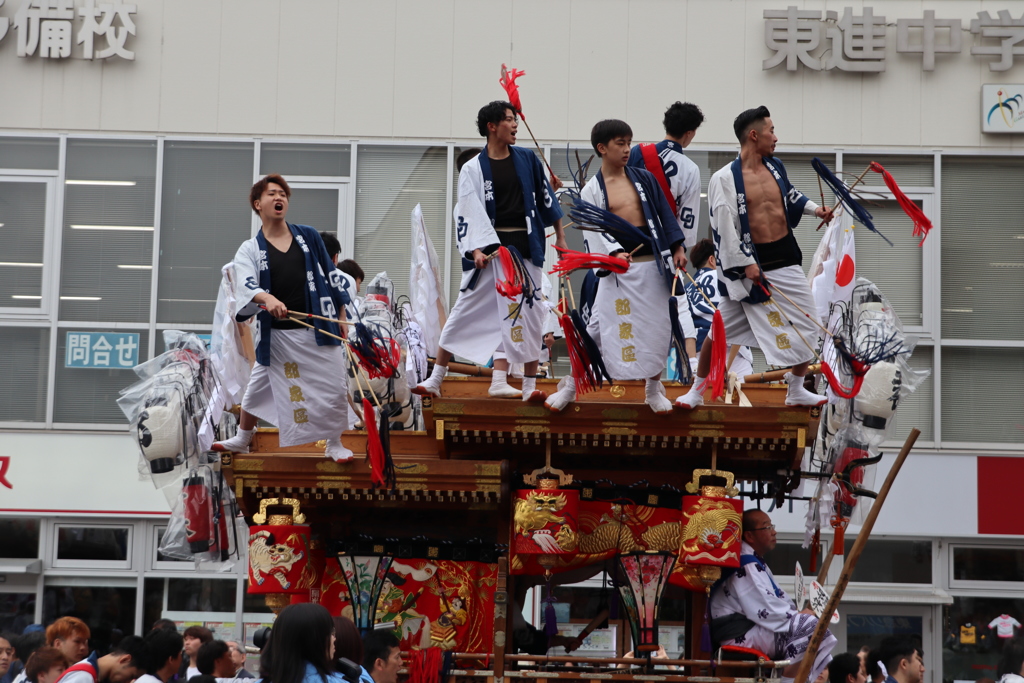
(468, 369)
(851, 560)
(777, 375)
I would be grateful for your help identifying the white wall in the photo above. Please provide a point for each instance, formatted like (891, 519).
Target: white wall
(76, 473)
(421, 69)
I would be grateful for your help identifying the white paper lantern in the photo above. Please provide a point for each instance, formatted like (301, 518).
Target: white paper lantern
(879, 395)
(158, 430)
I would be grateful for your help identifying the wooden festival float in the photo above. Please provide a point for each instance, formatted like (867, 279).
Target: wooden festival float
(447, 547)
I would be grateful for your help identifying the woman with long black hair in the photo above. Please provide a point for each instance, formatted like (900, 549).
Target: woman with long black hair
(301, 647)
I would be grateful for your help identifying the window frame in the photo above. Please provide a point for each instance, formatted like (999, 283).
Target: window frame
(975, 587)
(51, 260)
(58, 563)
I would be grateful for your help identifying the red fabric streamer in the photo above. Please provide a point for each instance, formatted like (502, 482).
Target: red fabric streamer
(386, 355)
(922, 224)
(508, 82)
(569, 260)
(579, 360)
(510, 285)
(719, 357)
(374, 448)
(838, 388)
(425, 665)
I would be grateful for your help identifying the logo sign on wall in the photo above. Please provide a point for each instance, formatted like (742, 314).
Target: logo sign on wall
(1002, 108)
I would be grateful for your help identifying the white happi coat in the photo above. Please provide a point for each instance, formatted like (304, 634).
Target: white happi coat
(779, 329)
(779, 630)
(683, 177)
(634, 331)
(481, 319)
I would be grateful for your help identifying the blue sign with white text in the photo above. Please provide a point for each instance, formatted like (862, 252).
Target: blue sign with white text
(102, 350)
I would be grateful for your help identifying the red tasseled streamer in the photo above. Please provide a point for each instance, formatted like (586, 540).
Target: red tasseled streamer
(510, 285)
(508, 82)
(922, 224)
(374, 448)
(569, 260)
(719, 357)
(387, 354)
(841, 391)
(579, 361)
(425, 665)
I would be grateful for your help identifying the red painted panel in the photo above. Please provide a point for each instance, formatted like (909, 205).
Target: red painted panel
(999, 507)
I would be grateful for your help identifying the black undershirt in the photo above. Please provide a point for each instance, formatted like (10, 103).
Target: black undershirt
(509, 211)
(287, 281)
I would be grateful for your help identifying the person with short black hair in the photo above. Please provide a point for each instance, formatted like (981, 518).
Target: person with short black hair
(165, 652)
(505, 200)
(298, 370)
(633, 323)
(126, 662)
(846, 667)
(901, 658)
(194, 637)
(164, 624)
(214, 659)
(382, 657)
(24, 645)
(754, 209)
(6, 653)
(872, 666)
(679, 179)
(705, 282)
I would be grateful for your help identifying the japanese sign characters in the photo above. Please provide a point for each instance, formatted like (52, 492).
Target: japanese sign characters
(46, 28)
(857, 42)
(102, 350)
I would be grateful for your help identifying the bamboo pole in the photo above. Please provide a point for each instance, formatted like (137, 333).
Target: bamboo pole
(777, 375)
(851, 559)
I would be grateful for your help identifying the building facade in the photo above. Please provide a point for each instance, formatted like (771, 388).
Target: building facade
(130, 134)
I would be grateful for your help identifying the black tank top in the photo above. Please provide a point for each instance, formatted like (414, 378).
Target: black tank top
(509, 211)
(287, 280)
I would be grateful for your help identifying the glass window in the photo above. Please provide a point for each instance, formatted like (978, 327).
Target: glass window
(981, 197)
(893, 561)
(917, 409)
(107, 259)
(21, 538)
(390, 182)
(981, 394)
(108, 609)
(24, 367)
(39, 154)
(972, 639)
(204, 217)
(897, 270)
(254, 603)
(784, 557)
(190, 600)
(23, 234)
(17, 610)
(305, 159)
(106, 543)
(988, 564)
(89, 395)
(869, 630)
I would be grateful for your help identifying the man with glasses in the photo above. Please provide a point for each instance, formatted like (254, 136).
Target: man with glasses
(749, 609)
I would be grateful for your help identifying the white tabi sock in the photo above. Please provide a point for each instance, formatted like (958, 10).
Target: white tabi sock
(654, 392)
(432, 385)
(500, 387)
(530, 392)
(695, 396)
(239, 443)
